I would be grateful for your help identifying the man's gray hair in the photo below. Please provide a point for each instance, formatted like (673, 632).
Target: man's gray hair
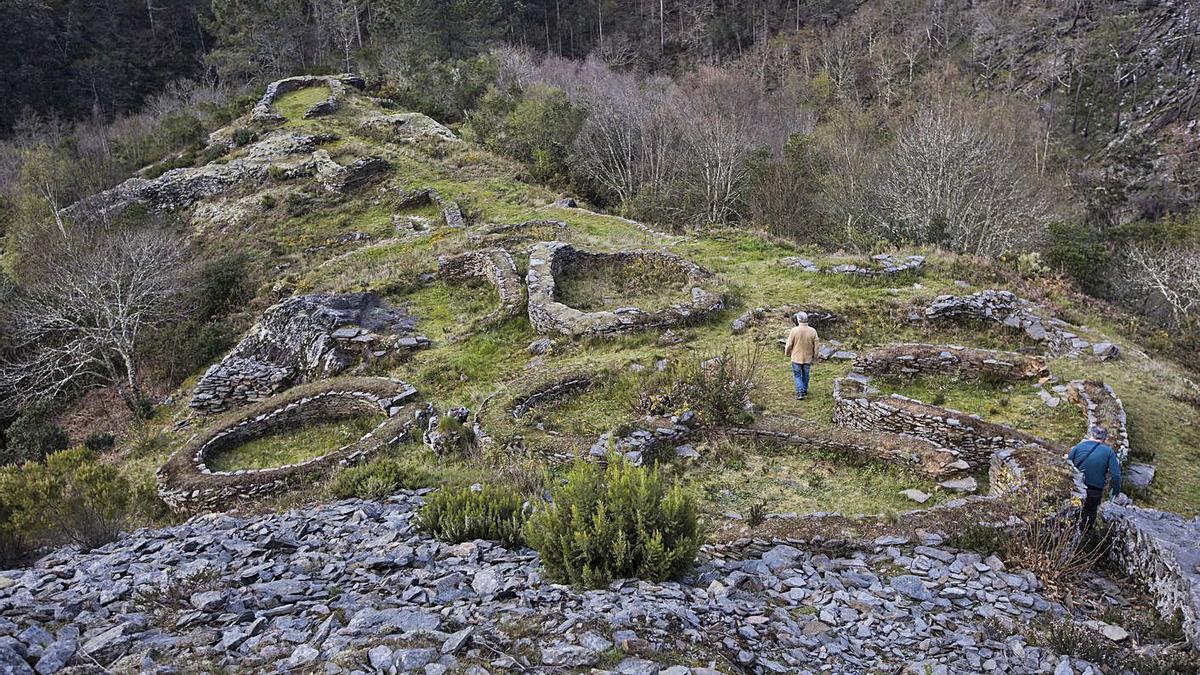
(1098, 432)
(801, 317)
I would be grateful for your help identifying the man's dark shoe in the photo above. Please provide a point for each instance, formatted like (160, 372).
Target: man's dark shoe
(800, 397)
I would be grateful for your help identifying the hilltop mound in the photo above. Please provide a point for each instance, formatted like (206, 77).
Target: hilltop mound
(467, 305)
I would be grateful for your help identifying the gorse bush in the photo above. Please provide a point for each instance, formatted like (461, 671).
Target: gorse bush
(615, 521)
(465, 514)
(378, 479)
(70, 498)
(99, 442)
(33, 435)
(716, 390)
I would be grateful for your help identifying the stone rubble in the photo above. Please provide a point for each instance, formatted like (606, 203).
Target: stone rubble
(881, 265)
(353, 586)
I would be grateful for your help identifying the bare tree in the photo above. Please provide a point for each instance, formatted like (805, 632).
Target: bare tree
(960, 177)
(83, 320)
(1171, 275)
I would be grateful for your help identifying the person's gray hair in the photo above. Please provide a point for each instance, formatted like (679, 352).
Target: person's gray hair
(801, 317)
(1098, 432)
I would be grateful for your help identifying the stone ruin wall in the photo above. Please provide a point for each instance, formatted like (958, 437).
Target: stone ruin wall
(968, 363)
(186, 483)
(973, 438)
(549, 259)
(264, 110)
(1103, 408)
(497, 267)
(1159, 549)
(919, 454)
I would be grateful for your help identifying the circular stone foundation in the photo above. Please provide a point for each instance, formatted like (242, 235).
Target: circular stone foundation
(558, 270)
(187, 483)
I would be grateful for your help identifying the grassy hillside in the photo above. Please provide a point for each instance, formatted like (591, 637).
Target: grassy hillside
(303, 239)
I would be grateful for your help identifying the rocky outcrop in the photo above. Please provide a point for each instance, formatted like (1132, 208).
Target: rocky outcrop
(301, 339)
(355, 586)
(264, 110)
(965, 362)
(405, 127)
(173, 190)
(497, 267)
(882, 265)
(1058, 337)
(186, 483)
(549, 259)
(1160, 550)
(345, 178)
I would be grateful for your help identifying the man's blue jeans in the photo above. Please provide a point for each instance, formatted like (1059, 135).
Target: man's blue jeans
(800, 371)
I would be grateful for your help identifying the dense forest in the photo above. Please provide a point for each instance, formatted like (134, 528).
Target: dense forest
(1061, 136)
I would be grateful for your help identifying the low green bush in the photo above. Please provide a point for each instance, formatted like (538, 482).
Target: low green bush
(99, 442)
(615, 521)
(715, 389)
(32, 435)
(465, 514)
(378, 479)
(70, 498)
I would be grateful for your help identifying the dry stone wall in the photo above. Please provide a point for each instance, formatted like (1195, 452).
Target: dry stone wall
(549, 259)
(264, 110)
(495, 265)
(920, 454)
(1160, 550)
(1104, 409)
(1003, 307)
(186, 483)
(301, 339)
(968, 363)
(857, 406)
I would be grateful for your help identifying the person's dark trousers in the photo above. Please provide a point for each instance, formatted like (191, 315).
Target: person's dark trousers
(800, 372)
(1087, 517)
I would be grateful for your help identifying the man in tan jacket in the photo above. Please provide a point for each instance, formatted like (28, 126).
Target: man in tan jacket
(801, 347)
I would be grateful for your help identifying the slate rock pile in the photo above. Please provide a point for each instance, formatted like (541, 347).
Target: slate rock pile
(354, 586)
(304, 338)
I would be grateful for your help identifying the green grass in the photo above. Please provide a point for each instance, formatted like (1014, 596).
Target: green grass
(735, 476)
(294, 104)
(293, 445)
(604, 285)
(1016, 405)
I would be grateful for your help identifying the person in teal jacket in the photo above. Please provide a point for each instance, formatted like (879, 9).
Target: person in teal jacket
(1096, 460)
